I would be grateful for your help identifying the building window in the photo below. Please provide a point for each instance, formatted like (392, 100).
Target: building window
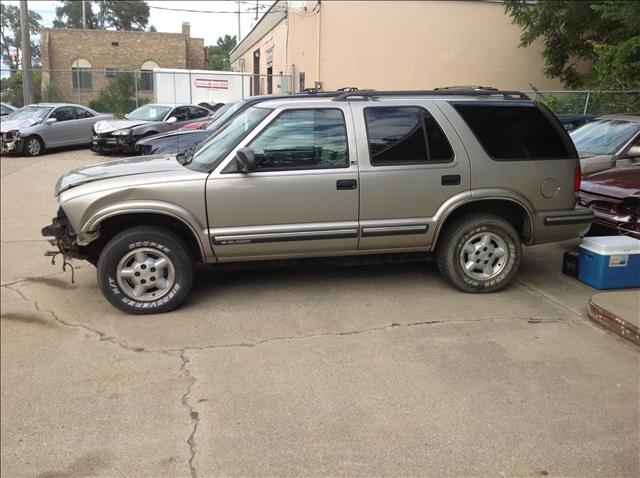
(110, 71)
(146, 74)
(81, 75)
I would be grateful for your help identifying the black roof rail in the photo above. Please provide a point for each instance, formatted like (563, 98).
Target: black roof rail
(366, 95)
(466, 87)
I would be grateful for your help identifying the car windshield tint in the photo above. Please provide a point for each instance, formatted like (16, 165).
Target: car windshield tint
(604, 136)
(228, 113)
(33, 113)
(220, 144)
(149, 113)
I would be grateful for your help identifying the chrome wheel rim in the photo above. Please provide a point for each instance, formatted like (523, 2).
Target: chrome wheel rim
(145, 274)
(33, 146)
(484, 256)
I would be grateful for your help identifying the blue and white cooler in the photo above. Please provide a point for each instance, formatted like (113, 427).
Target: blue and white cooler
(610, 262)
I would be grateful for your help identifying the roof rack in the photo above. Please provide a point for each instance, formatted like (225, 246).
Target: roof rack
(366, 95)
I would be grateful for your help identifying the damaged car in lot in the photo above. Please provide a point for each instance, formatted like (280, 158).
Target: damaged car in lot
(34, 128)
(120, 135)
(468, 176)
(614, 197)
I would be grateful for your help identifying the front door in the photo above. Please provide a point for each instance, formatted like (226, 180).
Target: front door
(64, 130)
(303, 197)
(416, 163)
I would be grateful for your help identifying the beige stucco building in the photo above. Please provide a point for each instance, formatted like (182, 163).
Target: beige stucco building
(79, 63)
(390, 45)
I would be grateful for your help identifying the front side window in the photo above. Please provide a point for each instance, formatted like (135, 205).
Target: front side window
(196, 112)
(181, 113)
(513, 132)
(604, 136)
(219, 145)
(405, 135)
(65, 113)
(149, 113)
(303, 139)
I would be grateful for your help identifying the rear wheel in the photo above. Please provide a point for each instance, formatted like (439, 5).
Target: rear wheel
(33, 146)
(145, 270)
(479, 253)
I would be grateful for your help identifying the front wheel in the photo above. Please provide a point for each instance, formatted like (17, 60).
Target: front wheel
(145, 270)
(33, 146)
(479, 253)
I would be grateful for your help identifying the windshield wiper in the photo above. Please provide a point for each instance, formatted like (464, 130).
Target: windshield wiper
(186, 156)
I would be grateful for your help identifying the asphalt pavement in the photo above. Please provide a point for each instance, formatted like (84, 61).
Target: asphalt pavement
(303, 370)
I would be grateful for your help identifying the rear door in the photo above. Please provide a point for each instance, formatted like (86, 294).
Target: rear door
(411, 164)
(302, 199)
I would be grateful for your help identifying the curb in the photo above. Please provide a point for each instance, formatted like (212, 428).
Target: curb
(613, 323)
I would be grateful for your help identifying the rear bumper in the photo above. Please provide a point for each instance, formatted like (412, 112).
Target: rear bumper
(552, 226)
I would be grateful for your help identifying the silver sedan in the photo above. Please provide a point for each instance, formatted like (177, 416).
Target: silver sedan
(34, 128)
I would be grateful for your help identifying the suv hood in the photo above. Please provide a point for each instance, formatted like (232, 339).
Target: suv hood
(107, 126)
(117, 168)
(15, 125)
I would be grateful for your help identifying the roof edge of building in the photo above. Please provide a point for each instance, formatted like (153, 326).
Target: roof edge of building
(116, 31)
(249, 39)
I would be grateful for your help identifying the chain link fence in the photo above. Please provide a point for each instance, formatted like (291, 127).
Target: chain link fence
(119, 92)
(587, 102)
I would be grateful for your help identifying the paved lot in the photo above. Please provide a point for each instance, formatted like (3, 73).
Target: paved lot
(291, 371)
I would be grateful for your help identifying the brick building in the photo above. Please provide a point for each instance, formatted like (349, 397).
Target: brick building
(77, 64)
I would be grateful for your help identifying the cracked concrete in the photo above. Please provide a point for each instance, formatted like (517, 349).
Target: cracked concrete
(319, 370)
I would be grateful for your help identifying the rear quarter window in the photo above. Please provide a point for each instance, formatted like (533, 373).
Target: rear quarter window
(514, 132)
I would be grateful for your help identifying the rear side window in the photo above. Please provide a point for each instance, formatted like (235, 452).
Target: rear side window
(405, 135)
(513, 132)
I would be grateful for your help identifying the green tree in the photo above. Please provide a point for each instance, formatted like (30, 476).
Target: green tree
(119, 96)
(604, 34)
(103, 14)
(11, 88)
(10, 39)
(219, 53)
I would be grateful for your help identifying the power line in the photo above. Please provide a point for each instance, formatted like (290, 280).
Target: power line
(251, 12)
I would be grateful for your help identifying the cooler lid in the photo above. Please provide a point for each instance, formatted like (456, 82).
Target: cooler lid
(611, 245)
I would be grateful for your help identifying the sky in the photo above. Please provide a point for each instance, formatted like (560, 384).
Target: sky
(209, 26)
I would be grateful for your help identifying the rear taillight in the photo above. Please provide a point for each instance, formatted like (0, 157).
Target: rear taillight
(577, 176)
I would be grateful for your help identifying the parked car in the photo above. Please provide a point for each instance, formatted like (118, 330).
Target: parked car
(6, 109)
(357, 174)
(572, 122)
(120, 135)
(614, 197)
(183, 139)
(34, 128)
(607, 142)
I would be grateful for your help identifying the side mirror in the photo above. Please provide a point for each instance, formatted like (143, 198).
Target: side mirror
(633, 153)
(172, 120)
(246, 160)
(126, 116)
(51, 120)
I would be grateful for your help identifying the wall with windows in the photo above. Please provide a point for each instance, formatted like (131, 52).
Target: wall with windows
(79, 63)
(398, 45)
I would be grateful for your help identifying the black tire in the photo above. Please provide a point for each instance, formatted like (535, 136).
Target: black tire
(33, 146)
(464, 232)
(153, 242)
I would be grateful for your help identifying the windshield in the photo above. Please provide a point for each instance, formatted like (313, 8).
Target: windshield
(222, 110)
(221, 143)
(228, 113)
(149, 113)
(33, 113)
(604, 136)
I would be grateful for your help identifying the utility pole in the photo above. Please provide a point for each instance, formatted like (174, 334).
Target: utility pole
(239, 32)
(84, 15)
(27, 84)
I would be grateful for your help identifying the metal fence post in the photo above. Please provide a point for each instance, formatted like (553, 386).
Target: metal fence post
(135, 86)
(586, 103)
